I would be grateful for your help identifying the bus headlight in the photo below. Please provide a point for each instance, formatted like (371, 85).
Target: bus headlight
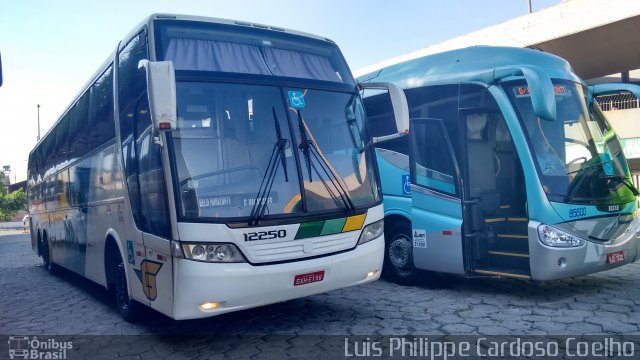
(371, 231)
(551, 236)
(212, 252)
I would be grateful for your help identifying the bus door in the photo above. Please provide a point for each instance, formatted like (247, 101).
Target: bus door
(494, 195)
(435, 196)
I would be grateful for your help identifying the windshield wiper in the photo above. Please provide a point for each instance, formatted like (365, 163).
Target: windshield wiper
(278, 153)
(282, 145)
(309, 147)
(624, 180)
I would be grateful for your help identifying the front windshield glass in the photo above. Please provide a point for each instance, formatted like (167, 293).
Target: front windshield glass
(223, 142)
(227, 133)
(578, 156)
(339, 157)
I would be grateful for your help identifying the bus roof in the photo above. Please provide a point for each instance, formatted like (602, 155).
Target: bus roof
(465, 65)
(244, 24)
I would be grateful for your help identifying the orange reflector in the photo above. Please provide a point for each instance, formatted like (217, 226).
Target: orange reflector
(165, 126)
(354, 223)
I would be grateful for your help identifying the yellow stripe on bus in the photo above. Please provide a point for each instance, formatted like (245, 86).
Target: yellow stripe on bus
(504, 253)
(494, 220)
(513, 236)
(354, 222)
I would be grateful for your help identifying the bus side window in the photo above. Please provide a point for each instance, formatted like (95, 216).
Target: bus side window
(433, 165)
(145, 178)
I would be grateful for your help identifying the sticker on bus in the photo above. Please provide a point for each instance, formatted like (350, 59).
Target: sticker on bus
(236, 200)
(420, 238)
(406, 185)
(296, 99)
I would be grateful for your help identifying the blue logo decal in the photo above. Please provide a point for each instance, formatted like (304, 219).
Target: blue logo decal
(406, 185)
(296, 99)
(130, 254)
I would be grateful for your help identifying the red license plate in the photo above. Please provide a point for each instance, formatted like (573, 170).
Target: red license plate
(615, 258)
(309, 278)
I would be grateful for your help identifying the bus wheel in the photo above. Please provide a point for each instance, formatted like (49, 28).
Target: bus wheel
(398, 255)
(128, 308)
(46, 257)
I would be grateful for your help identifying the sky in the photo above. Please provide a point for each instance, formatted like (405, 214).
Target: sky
(50, 49)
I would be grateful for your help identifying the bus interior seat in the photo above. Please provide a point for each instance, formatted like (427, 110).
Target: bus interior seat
(243, 148)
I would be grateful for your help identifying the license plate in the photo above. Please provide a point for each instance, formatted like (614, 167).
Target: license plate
(616, 257)
(309, 278)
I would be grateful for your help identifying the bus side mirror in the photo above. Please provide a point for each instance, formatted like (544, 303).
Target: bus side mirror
(399, 104)
(161, 89)
(543, 97)
(0, 70)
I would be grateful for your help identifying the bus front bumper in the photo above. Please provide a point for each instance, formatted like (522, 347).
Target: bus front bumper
(232, 287)
(548, 263)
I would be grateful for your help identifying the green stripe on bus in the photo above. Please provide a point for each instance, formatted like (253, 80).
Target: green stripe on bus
(309, 229)
(333, 226)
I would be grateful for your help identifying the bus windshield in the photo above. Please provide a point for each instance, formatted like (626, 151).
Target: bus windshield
(578, 156)
(227, 134)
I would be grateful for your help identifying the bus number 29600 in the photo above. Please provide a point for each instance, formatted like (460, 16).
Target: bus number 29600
(265, 235)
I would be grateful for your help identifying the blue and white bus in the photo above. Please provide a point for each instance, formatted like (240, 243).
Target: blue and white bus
(211, 166)
(509, 169)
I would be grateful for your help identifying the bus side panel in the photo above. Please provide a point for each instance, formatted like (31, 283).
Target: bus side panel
(101, 218)
(439, 221)
(158, 268)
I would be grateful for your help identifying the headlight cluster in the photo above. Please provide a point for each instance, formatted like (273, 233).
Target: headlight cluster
(551, 236)
(217, 253)
(371, 231)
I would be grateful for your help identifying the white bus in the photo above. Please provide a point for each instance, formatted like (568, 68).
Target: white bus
(211, 166)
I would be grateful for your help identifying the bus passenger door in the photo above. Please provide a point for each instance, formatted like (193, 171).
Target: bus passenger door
(435, 196)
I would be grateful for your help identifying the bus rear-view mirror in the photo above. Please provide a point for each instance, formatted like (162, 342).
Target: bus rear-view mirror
(0, 70)
(543, 97)
(161, 89)
(399, 104)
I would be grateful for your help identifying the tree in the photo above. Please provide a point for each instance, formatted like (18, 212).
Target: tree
(11, 203)
(2, 187)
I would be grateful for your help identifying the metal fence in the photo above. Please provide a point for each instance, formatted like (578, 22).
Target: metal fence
(621, 101)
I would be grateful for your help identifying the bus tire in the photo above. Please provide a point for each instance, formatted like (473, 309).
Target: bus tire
(128, 308)
(398, 255)
(46, 257)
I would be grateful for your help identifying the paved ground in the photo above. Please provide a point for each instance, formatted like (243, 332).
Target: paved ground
(32, 302)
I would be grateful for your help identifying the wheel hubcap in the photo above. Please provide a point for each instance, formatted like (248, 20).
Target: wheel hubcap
(401, 253)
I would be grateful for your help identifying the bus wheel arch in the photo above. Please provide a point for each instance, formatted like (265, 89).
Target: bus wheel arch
(110, 248)
(117, 281)
(39, 237)
(398, 252)
(46, 254)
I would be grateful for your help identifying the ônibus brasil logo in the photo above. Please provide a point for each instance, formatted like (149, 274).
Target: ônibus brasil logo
(24, 347)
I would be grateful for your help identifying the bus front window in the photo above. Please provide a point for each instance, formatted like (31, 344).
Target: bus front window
(575, 154)
(227, 134)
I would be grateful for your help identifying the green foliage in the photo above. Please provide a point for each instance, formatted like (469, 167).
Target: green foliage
(2, 189)
(11, 203)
